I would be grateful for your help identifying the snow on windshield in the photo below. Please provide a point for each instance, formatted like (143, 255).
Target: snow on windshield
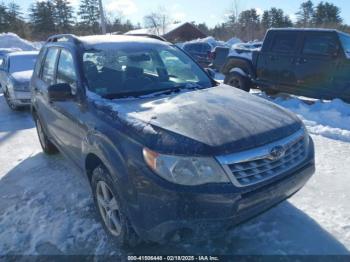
(22, 63)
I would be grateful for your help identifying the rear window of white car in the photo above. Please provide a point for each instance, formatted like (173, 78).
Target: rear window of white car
(22, 63)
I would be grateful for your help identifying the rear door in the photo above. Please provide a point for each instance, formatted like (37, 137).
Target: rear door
(317, 64)
(275, 65)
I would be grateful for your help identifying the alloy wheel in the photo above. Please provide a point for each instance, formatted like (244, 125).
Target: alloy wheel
(109, 208)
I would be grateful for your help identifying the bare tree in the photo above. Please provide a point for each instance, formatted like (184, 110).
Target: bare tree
(158, 21)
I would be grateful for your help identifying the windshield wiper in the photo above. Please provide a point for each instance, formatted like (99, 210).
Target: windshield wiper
(155, 92)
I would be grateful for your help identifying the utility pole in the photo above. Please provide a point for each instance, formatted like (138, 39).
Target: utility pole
(103, 18)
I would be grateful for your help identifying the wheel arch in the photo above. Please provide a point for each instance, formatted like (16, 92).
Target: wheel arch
(241, 63)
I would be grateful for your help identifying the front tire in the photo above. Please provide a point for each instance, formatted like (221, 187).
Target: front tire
(237, 80)
(110, 209)
(45, 143)
(9, 102)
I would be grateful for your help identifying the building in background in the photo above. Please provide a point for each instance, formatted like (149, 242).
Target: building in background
(175, 33)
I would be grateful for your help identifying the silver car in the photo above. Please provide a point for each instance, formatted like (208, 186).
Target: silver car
(16, 69)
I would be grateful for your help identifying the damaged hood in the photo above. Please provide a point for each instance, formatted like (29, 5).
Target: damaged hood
(212, 121)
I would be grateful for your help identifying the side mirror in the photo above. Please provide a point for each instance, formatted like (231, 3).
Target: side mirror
(210, 72)
(60, 92)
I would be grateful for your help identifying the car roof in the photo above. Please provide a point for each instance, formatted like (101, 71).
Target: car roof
(292, 29)
(103, 41)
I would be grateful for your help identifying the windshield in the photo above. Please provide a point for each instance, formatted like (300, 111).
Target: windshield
(345, 40)
(22, 63)
(140, 69)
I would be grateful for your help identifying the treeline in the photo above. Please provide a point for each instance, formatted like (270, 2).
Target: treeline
(57, 16)
(249, 25)
(47, 17)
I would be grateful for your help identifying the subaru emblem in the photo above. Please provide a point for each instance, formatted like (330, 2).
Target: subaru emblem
(277, 153)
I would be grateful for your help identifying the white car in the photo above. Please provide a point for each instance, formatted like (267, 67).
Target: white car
(16, 69)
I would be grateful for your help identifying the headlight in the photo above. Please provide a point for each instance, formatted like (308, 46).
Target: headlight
(306, 135)
(189, 171)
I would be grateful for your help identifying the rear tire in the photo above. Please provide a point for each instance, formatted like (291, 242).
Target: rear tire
(111, 210)
(45, 143)
(237, 80)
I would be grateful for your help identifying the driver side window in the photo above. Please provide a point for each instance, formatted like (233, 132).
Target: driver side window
(66, 70)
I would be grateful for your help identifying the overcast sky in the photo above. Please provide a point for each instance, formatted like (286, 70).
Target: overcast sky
(210, 11)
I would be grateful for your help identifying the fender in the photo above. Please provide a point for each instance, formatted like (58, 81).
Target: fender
(236, 62)
(113, 158)
(101, 146)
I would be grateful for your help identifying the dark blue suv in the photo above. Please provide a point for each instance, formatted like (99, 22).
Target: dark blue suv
(166, 148)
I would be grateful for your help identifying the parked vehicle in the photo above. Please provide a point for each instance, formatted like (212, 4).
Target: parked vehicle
(165, 147)
(308, 62)
(248, 47)
(15, 73)
(3, 52)
(220, 54)
(200, 52)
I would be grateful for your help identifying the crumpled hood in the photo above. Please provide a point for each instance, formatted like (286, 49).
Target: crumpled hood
(22, 77)
(212, 121)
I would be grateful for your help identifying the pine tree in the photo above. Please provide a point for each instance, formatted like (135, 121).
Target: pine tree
(266, 20)
(305, 14)
(89, 15)
(327, 15)
(3, 18)
(42, 19)
(249, 24)
(15, 20)
(63, 16)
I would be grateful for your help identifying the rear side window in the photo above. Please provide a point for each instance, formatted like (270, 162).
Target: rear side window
(285, 43)
(323, 45)
(49, 66)
(66, 69)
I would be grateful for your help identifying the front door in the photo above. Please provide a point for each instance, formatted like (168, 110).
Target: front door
(66, 128)
(317, 65)
(276, 65)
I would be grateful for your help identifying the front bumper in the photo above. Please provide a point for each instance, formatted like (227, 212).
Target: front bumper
(161, 210)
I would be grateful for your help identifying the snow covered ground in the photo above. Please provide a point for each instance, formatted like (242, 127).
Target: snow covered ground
(46, 205)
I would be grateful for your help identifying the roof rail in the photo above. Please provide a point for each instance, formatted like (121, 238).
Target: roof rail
(157, 37)
(63, 37)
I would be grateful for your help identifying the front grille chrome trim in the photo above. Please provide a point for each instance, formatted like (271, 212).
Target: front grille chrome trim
(260, 157)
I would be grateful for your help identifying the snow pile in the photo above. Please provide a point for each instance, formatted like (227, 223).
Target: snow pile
(11, 40)
(326, 118)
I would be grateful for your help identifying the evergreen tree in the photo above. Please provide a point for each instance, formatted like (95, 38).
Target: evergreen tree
(15, 20)
(89, 15)
(63, 16)
(327, 15)
(305, 14)
(279, 19)
(249, 24)
(42, 19)
(3, 18)
(266, 20)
